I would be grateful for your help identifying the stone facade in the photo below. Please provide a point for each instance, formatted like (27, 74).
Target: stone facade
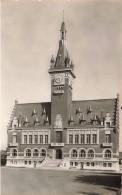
(83, 134)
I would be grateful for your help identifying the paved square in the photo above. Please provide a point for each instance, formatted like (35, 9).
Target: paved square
(23, 181)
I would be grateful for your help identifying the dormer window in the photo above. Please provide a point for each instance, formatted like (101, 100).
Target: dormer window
(94, 120)
(78, 111)
(46, 121)
(36, 121)
(26, 122)
(89, 110)
(71, 121)
(82, 121)
(34, 112)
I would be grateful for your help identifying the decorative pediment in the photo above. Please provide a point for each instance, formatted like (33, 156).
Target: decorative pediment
(15, 122)
(58, 121)
(107, 121)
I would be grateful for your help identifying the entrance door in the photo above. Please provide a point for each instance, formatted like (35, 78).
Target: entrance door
(58, 154)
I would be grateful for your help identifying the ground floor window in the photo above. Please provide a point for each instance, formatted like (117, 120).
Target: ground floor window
(74, 153)
(43, 152)
(107, 154)
(82, 154)
(25, 162)
(28, 152)
(29, 162)
(35, 153)
(91, 154)
(14, 152)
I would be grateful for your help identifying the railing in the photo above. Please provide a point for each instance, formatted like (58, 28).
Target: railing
(13, 144)
(57, 144)
(107, 144)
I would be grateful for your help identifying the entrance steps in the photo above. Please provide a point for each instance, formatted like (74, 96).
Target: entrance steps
(51, 164)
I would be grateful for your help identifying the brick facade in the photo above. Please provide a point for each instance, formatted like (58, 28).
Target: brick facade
(84, 134)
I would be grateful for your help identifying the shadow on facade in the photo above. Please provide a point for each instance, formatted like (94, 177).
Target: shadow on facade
(87, 193)
(108, 182)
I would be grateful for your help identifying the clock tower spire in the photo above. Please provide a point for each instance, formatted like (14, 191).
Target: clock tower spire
(62, 74)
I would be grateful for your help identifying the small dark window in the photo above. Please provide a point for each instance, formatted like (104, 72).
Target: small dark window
(76, 163)
(109, 164)
(71, 163)
(92, 164)
(88, 164)
(104, 165)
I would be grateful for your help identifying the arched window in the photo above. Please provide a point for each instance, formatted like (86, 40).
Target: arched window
(43, 152)
(82, 153)
(107, 154)
(91, 153)
(35, 152)
(28, 152)
(14, 152)
(74, 153)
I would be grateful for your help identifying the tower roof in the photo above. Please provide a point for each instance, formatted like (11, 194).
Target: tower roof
(63, 61)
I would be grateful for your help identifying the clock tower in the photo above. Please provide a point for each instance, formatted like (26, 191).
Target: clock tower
(62, 74)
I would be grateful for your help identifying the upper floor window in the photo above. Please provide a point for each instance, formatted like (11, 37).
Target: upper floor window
(30, 139)
(82, 153)
(108, 138)
(14, 152)
(28, 152)
(35, 152)
(107, 124)
(82, 138)
(107, 154)
(76, 139)
(94, 138)
(59, 136)
(46, 139)
(35, 139)
(74, 153)
(70, 139)
(88, 138)
(41, 139)
(25, 139)
(14, 139)
(91, 153)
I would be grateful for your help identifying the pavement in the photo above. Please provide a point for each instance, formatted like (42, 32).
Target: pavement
(25, 181)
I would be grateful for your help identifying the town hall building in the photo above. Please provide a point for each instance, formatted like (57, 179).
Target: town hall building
(74, 134)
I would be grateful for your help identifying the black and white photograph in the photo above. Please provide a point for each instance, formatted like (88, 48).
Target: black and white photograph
(61, 97)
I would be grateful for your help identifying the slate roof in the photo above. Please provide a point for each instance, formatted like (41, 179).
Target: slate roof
(90, 110)
(86, 109)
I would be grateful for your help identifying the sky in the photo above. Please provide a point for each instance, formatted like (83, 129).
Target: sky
(30, 33)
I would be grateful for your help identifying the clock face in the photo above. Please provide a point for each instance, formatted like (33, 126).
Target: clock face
(58, 78)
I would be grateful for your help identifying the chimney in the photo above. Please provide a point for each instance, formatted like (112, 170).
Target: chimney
(16, 102)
